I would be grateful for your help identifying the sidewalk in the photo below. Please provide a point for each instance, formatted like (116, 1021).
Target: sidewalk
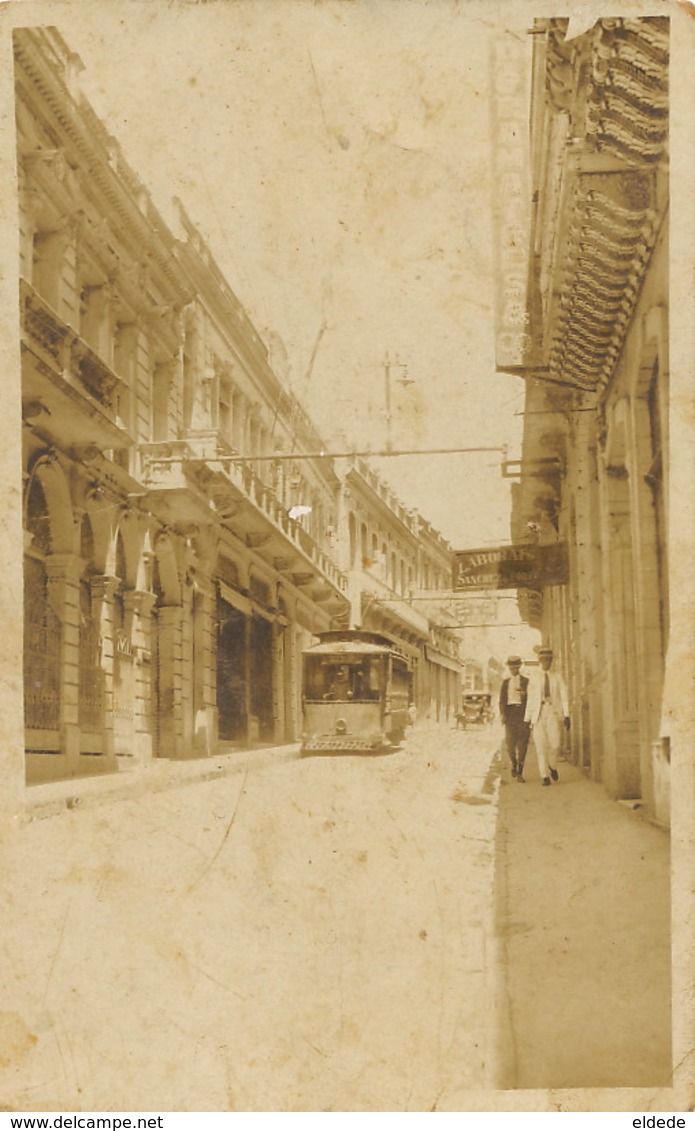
(50, 798)
(583, 938)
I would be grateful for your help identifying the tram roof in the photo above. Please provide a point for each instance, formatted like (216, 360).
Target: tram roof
(346, 647)
(336, 642)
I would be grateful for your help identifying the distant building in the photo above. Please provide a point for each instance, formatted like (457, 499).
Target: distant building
(595, 466)
(391, 555)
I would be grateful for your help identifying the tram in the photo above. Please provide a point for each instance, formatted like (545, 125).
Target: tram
(356, 690)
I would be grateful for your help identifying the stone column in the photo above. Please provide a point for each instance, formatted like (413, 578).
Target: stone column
(103, 588)
(63, 572)
(187, 670)
(169, 706)
(279, 725)
(204, 668)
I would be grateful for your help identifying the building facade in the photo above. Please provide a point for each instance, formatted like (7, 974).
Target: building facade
(395, 562)
(182, 544)
(168, 589)
(595, 463)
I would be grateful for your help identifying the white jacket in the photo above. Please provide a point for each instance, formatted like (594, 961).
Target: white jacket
(558, 695)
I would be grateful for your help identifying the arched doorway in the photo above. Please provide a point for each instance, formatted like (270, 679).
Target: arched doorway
(42, 632)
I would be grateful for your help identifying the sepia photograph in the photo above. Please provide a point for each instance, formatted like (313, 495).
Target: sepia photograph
(347, 533)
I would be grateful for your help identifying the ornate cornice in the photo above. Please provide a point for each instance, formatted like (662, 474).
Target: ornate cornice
(609, 243)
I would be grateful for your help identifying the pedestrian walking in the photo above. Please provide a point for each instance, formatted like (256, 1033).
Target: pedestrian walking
(512, 704)
(546, 709)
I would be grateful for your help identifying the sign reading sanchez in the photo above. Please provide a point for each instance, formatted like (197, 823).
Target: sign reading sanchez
(511, 567)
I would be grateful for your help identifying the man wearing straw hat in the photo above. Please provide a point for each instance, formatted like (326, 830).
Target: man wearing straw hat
(546, 709)
(513, 694)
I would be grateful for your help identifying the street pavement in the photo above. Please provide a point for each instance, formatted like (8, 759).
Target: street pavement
(261, 932)
(290, 935)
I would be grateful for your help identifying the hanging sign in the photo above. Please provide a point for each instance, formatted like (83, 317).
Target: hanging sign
(511, 567)
(511, 196)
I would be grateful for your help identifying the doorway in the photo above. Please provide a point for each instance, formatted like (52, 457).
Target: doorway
(231, 673)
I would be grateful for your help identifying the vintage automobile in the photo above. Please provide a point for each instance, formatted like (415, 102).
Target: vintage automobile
(475, 710)
(355, 694)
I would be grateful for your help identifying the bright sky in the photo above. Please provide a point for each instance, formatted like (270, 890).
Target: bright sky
(336, 156)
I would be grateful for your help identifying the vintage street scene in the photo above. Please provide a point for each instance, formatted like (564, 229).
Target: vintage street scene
(348, 655)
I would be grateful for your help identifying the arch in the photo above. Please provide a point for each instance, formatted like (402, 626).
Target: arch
(37, 520)
(47, 471)
(100, 519)
(42, 628)
(123, 558)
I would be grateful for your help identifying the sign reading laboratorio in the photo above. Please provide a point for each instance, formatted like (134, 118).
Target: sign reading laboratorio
(509, 134)
(510, 567)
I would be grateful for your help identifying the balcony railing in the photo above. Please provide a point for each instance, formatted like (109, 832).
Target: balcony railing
(379, 592)
(164, 465)
(265, 499)
(65, 351)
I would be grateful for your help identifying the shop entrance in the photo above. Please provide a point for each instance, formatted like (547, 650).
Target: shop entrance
(262, 677)
(231, 673)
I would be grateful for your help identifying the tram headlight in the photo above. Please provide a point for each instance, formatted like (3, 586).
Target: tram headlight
(340, 726)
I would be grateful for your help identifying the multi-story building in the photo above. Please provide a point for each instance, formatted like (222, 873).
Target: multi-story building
(181, 527)
(595, 467)
(168, 590)
(395, 561)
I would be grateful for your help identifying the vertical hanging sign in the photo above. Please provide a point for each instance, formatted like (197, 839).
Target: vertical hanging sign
(509, 137)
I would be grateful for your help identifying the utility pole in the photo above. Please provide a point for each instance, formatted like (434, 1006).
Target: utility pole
(404, 379)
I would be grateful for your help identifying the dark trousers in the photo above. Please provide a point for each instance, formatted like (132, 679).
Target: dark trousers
(516, 733)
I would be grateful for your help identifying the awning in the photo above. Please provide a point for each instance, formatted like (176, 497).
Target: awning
(237, 600)
(433, 656)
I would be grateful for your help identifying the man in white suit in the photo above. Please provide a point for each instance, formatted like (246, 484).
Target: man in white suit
(547, 708)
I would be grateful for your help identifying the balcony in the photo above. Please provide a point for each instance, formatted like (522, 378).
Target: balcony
(74, 387)
(375, 593)
(197, 481)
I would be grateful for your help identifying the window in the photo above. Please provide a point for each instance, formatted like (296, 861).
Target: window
(225, 409)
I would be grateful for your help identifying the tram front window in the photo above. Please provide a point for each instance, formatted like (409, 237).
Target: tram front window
(343, 680)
